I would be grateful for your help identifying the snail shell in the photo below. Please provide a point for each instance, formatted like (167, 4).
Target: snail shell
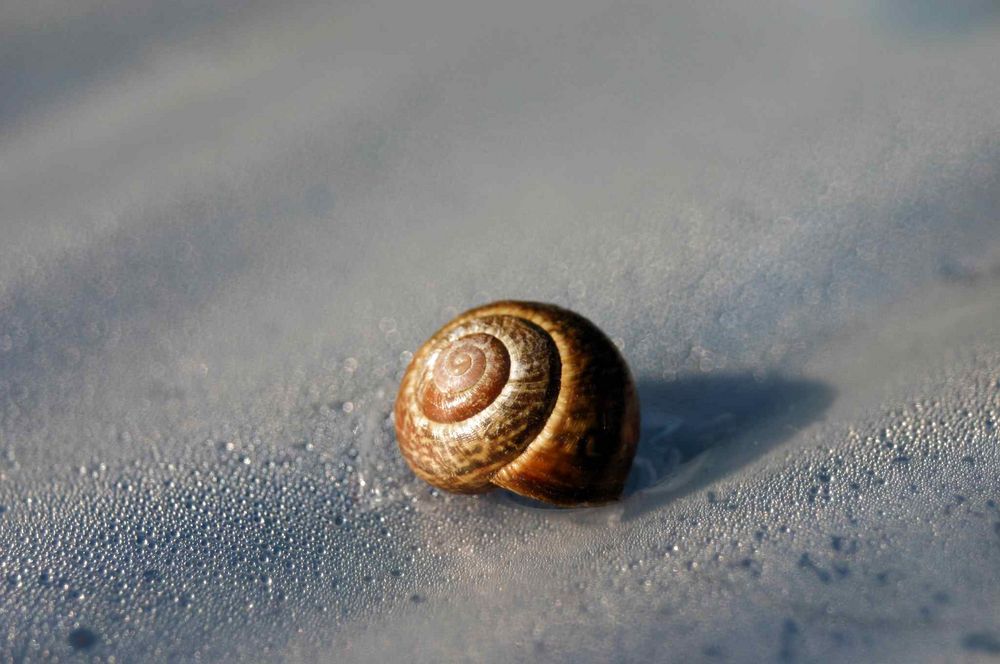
(526, 396)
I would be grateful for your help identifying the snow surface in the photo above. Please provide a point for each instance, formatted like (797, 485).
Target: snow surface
(225, 228)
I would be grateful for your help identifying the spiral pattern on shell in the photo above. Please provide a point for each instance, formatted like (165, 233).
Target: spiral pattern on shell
(527, 396)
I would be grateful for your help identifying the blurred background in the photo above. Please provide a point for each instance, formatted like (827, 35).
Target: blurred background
(226, 227)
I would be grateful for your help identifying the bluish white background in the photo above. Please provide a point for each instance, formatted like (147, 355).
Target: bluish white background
(224, 228)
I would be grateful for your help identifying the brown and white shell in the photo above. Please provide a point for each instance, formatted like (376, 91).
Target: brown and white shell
(522, 395)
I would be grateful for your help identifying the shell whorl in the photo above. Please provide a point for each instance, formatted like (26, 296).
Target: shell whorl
(466, 376)
(527, 396)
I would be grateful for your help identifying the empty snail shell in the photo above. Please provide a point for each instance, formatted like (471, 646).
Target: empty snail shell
(521, 395)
